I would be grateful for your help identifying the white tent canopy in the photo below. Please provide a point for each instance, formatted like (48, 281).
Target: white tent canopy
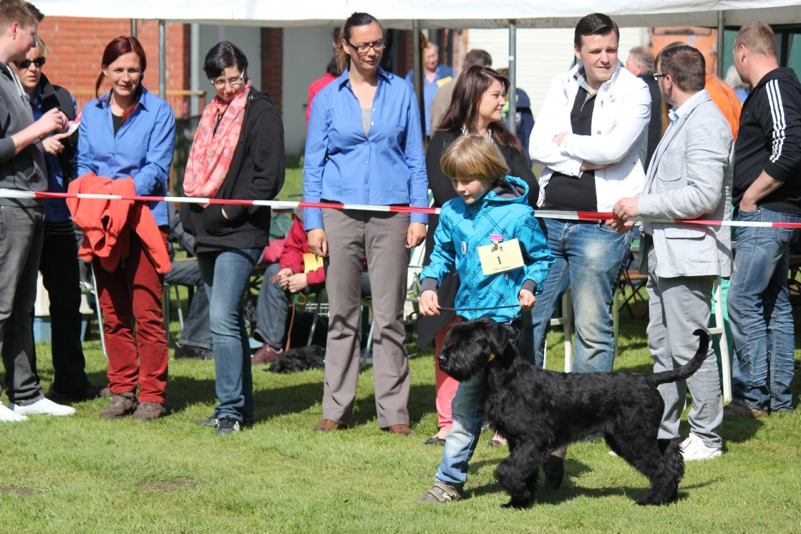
(439, 14)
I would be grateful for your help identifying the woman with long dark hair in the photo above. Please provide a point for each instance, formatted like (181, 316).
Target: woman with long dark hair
(365, 146)
(476, 108)
(237, 153)
(130, 132)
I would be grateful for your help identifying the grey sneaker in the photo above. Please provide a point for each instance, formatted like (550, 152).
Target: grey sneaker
(442, 493)
(228, 425)
(121, 405)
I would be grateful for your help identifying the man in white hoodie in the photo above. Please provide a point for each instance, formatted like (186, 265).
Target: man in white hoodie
(591, 137)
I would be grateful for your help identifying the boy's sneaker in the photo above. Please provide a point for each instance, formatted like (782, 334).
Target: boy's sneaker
(43, 406)
(693, 448)
(228, 425)
(442, 493)
(121, 405)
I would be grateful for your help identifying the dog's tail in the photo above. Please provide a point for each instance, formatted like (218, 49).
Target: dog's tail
(686, 370)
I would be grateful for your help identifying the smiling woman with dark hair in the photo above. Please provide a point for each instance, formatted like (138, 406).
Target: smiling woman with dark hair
(237, 153)
(130, 132)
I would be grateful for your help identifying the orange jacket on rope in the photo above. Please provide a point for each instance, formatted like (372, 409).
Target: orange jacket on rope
(104, 222)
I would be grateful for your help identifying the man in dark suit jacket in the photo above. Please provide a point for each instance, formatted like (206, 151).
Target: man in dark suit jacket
(641, 63)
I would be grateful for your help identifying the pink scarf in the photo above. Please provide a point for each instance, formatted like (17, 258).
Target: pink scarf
(212, 153)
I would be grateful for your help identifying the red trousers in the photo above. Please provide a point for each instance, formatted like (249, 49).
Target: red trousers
(133, 324)
(445, 385)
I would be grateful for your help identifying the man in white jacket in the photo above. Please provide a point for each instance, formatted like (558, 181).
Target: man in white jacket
(591, 136)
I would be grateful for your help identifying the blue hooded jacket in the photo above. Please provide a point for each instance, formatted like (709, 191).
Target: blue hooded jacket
(463, 228)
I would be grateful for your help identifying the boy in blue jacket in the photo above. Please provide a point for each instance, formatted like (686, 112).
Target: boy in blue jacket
(490, 235)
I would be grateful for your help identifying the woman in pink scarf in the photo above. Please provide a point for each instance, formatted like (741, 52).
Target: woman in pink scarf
(237, 153)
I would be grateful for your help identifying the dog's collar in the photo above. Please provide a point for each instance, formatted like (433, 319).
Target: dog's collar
(492, 356)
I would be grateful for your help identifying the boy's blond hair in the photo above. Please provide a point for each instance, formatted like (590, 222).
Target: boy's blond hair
(474, 156)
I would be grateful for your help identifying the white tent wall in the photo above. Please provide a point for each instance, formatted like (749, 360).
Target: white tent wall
(542, 54)
(443, 13)
(306, 54)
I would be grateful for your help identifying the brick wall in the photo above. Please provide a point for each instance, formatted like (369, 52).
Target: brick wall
(272, 63)
(76, 49)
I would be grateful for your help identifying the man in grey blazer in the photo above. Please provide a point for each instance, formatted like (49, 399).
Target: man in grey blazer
(689, 177)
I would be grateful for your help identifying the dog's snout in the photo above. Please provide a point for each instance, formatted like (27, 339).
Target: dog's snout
(442, 359)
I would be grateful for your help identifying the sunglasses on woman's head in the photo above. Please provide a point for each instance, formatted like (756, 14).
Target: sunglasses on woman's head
(39, 62)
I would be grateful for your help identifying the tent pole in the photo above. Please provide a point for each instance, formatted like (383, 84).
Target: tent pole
(721, 41)
(163, 59)
(417, 65)
(512, 96)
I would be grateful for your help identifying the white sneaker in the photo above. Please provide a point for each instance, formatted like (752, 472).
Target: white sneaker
(693, 448)
(43, 406)
(8, 416)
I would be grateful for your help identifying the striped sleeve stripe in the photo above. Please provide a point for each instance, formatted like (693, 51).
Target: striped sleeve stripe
(777, 114)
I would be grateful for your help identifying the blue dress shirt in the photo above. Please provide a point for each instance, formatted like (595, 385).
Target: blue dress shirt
(142, 148)
(384, 167)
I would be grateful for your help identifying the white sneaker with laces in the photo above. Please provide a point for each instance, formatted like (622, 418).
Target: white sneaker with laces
(693, 448)
(43, 406)
(8, 416)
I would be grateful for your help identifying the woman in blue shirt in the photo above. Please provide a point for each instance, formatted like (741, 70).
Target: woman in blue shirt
(365, 146)
(129, 132)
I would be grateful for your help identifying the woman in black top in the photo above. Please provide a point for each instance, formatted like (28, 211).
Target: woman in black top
(237, 153)
(476, 107)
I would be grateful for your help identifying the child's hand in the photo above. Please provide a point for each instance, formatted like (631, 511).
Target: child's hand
(429, 303)
(527, 299)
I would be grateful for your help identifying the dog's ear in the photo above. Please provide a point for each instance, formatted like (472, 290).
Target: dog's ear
(497, 337)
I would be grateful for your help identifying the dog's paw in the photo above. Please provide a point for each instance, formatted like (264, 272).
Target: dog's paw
(518, 504)
(554, 469)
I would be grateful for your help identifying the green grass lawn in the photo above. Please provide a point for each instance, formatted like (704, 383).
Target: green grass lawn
(84, 474)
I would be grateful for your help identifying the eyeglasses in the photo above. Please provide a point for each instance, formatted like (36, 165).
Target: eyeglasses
(39, 62)
(658, 75)
(233, 82)
(378, 46)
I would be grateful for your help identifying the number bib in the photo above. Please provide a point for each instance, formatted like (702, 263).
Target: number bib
(500, 257)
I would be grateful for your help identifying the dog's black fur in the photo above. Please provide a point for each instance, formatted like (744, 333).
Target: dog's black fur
(299, 359)
(538, 411)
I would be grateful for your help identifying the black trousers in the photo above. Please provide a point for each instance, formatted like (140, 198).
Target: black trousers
(60, 274)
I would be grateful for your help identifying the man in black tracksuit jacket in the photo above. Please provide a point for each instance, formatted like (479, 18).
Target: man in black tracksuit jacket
(767, 188)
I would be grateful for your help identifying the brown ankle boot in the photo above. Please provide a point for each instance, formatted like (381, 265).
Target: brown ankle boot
(121, 405)
(147, 411)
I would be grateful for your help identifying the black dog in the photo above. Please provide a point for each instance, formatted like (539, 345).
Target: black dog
(299, 359)
(538, 411)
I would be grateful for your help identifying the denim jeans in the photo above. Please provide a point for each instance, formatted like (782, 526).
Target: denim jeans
(468, 415)
(589, 257)
(21, 231)
(760, 312)
(196, 331)
(226, 275)
(272, 308)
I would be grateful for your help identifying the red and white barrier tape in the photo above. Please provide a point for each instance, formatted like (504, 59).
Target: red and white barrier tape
(285, 205)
